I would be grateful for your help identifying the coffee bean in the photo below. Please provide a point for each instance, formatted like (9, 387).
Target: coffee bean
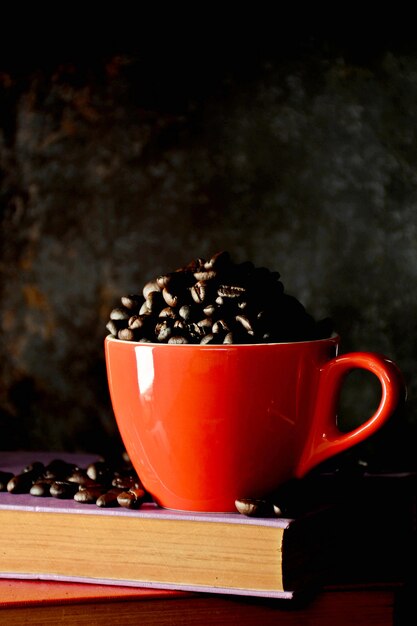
(126, 334)
(246, 323)
(109, 498)
(41, 488)
(137, 321)
(170, 298)
(100, 471)
(89, 495)
(255, 507)
(168, 311)
(21, 483)
(205, 274)
(133, 302)
(177, 339)
(163, 330)
(63, 489)
(211, 338)
(113, 327)
(35, 468)
(131, 499)
(78, 476)
(125, 482)
(221, 326)
(206, 325)
(120, 313)
(151, 286)
(186, 312)
(210, 310)
(199, 291)
(231, 291)
(154, 301)
(219, 261)
(59, 469)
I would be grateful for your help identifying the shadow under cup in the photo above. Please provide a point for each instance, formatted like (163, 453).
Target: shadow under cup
(205, 425)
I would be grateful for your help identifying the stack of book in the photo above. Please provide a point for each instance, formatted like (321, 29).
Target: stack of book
(127, 554)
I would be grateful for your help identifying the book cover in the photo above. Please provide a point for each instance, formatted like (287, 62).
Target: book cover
(50, 539)
(30, 602)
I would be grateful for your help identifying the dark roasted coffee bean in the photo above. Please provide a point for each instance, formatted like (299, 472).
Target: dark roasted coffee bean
(163, 330)
(144, 310)
(219, 261)
(211, 338)
(133, 302)
(206, 325)
(138, 321)
(186, 312)
(41, 488)
(229, 338)
(21, 483)
(114, 326)
(170, 298)
(194, 331)
(131, 499)
(109, 498)
(120, 313)
(78, 476)
(100, 471)
(151, 286)
(163, 281)
(205, 274)
(36, 467)
(4, 479)
(178, 339)
(255, 507)
(231, 291)
(210, 310)
(126, 334)
(125, 482)
(246, 323)
(168, 311)
(221, 326)
(92, 484)
(63, 489)
(59, 469)
(89, 495)
(199, 291)
(154, 301)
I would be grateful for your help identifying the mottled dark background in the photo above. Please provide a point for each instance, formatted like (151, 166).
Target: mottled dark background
(296, 153)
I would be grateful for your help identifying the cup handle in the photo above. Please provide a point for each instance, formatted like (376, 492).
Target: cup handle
(325, 439)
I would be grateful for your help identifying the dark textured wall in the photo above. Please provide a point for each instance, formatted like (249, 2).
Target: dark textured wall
(122, 165)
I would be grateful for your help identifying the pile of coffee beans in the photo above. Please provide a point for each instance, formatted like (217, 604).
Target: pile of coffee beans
(114, 483)
(102, 483)
(215, 301)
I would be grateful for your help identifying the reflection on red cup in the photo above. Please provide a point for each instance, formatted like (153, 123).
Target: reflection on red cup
(205, 425)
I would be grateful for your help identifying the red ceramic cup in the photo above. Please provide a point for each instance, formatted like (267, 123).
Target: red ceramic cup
(205, 425)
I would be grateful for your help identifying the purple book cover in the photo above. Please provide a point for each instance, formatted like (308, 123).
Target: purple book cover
(14, 462)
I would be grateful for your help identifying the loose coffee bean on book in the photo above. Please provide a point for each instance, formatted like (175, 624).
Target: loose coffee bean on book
(109, 484)
(215, 301)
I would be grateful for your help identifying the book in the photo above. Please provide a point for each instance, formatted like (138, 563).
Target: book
(29, 603)
(51, 539)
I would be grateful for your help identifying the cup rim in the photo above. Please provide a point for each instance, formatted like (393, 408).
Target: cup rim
(224, 346)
